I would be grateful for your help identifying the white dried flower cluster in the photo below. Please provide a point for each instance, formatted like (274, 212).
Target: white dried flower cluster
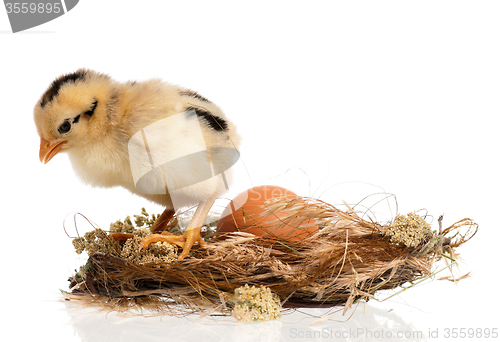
(127, 226)
(96, 241)
(256, 304)
(409, 230)
(157, 253)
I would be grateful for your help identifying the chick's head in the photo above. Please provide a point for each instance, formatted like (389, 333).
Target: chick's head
(72, 111)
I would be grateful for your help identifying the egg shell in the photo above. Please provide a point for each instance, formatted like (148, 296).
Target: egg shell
(246, 213)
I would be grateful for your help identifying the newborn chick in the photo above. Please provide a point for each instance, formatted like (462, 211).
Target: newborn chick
(94, 118)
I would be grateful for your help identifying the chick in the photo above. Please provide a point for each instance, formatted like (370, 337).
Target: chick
(94, 118)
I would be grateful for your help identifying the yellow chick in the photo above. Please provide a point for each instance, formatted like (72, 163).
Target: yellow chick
(108, 130)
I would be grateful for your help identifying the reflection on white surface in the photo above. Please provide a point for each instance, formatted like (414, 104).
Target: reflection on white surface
(369, 322)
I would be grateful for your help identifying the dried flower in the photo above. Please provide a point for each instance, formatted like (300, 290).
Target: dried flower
(96, 240)
(156, 253)
(99, 241)
(409, 230)
(142, 220)
(256, 304)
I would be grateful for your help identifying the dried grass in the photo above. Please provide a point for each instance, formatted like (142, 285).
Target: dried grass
(348, 259)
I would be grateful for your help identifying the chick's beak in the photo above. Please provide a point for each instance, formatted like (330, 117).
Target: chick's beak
(48, 150)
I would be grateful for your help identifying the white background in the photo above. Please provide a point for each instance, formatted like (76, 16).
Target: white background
(397, 95)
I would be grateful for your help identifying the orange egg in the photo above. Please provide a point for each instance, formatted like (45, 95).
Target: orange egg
(247, 213)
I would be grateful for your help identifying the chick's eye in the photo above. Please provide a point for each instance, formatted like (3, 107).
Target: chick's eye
(65, 127)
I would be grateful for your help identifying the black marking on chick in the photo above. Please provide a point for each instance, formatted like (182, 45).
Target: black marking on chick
(75, 120)
(214, 122)
(56, 85)
(191, 93)
(90, 112)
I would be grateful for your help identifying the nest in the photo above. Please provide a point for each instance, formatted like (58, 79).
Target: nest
(348, 259)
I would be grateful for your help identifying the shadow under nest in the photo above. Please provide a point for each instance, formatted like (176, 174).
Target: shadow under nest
(347, 259)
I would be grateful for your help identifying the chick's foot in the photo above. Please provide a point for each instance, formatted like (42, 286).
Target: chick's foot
(192, 233)
(186, 240)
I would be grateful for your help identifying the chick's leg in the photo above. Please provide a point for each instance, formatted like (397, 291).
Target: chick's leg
(162, 221)
(192, 233)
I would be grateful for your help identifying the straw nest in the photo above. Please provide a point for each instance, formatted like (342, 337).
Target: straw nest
(348, 259)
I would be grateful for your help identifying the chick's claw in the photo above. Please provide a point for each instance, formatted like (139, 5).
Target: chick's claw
(186, 240)
(179, 240)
